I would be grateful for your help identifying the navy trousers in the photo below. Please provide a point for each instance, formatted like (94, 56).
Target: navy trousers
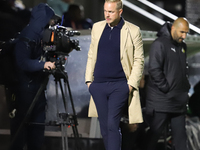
(110, 99)
(157, 124)
(31, 134)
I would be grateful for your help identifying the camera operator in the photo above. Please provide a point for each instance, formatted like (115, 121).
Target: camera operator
(30, 66)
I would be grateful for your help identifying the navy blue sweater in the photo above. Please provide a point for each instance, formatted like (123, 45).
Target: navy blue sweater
(108, 66)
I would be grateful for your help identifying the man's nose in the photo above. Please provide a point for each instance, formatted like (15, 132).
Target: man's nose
(184, 35)
(107, 13)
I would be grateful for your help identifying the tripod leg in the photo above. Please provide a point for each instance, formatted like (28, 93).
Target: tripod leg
(63, 96)
(63, 145)
(74, 126)
(70, 96)
(56, 85)
(76, 137)
(64, 137)
(27, 116)
(73, 120)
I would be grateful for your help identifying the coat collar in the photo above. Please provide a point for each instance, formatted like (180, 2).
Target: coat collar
(123, 38)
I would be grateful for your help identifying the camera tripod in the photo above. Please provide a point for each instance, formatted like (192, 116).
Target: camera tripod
(65, 118)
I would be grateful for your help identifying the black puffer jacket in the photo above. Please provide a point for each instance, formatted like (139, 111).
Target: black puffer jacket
(168, 86)
(28, 54)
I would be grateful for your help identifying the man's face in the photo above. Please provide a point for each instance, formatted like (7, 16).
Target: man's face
(179, 33)
(111, 13)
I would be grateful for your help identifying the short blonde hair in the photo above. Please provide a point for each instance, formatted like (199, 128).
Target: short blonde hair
(119, 3)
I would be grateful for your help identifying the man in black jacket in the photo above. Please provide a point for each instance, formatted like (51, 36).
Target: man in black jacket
(30, 66)
(168, 86)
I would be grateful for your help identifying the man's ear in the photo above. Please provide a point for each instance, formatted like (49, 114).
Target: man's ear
(172, 29)
(120, 11)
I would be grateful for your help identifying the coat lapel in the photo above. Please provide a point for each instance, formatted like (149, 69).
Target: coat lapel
(123, 40)
(101, 28)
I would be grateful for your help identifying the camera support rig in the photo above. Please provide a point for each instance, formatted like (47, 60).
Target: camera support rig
(66, 118)
(56, 50)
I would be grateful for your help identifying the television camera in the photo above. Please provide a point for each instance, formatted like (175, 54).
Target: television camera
(57, 44)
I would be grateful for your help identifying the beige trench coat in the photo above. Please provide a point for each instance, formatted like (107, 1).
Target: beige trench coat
(132, 60)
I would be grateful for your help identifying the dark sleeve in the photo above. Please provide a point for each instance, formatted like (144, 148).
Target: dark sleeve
(187, 66)
(156, 66)
(23, 58)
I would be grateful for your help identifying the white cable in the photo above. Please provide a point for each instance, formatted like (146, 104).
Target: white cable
(143, 12)
(166, 13)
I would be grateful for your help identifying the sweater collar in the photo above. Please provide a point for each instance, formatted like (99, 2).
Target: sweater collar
(119, 26)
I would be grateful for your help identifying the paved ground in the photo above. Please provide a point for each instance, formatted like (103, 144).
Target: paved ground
(55, 143)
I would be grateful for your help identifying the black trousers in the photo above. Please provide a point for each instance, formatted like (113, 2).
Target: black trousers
(110, 99)
(31, 134)
(158, 121)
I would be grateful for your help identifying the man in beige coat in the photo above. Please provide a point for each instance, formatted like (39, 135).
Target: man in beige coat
(113, 72)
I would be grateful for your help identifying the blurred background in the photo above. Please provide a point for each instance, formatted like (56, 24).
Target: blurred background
(93, 9)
